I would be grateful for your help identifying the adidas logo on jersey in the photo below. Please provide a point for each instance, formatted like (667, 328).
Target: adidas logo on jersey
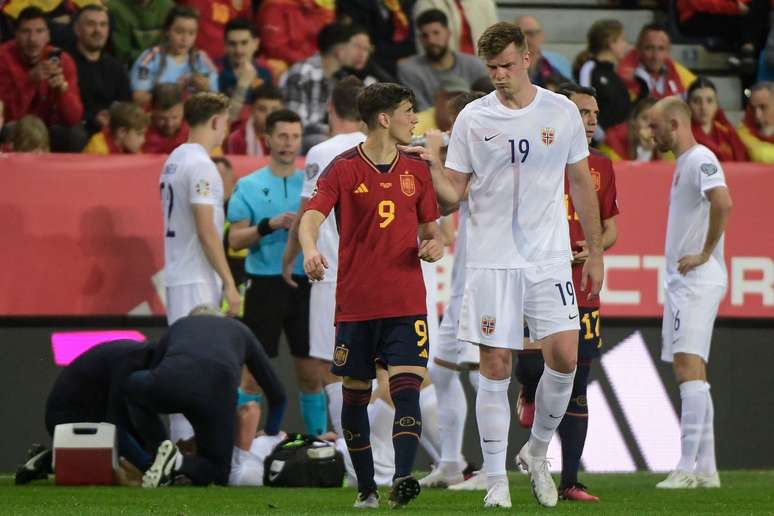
(361, 188)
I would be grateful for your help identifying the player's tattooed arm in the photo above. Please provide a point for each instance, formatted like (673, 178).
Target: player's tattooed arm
(431, 242)
(308, 233)
(720, 208)
(584, 199)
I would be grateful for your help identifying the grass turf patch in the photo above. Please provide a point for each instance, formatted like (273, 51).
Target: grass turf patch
(743, 492)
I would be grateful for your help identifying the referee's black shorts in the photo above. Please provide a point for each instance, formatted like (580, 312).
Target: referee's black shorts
(271, 305)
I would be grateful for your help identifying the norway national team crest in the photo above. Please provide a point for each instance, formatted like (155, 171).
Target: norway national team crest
(597, 179)
(547, 135)
(487, 325)
(407, 185)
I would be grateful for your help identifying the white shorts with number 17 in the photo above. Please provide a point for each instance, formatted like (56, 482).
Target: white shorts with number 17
(496, 303)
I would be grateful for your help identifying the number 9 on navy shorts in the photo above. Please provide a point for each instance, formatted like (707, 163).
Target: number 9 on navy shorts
(396, 341)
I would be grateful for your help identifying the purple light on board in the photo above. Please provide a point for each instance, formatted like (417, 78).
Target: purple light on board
(69, 345)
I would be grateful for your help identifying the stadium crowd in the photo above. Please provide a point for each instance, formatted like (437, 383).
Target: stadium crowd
(133, 76)
(70, 70)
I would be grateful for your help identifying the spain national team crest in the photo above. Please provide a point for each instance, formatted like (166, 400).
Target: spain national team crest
(407, 185)
(547, 135)
(487, 325)
(597, 179)
(340, 355)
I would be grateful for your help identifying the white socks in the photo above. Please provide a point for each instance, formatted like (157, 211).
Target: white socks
(493, 414)
(551, 400)
(705, 459)
(430, 439)
(451, 420)
(334, 393)
(694, 396)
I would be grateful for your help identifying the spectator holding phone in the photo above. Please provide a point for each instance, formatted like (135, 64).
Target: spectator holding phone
(38, 79)
(176, 60)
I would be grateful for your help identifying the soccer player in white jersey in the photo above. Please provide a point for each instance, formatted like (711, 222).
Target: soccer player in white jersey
(195, 268)
(451, 354)
(347, 131)
(695, 283)
(511, 150)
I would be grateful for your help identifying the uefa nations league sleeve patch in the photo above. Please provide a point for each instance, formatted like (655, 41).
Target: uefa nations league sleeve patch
(708, 169)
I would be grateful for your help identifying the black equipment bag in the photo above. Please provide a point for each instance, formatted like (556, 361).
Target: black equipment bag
(304, 461)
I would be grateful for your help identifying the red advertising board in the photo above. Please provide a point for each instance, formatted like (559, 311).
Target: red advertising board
(82, 236)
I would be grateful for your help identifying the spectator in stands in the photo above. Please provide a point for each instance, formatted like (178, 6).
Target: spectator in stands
(741, 24)
(102, 79)
(710, 126)
(483, 84)
(307, 85)
(58, 13)
(595, 68)
(176, 60)
(633, 139)
(38, 79)
(438, 116)
(467, 20)
(167, 130)
(424, 73)
(261, 211)
(289, 28)
(250, 139)
(389, 24)
(543, 68)
(125, 133)
(214, 15)
(137, 26)
(757, 129)
(241, 70)
(30, 134)
(361, 65)
(651, 62)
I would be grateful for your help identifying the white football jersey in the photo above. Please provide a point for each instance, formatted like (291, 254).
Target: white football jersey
(317, 160)
(189, 177)
(518, 159)
(698, 170)
(460, 253)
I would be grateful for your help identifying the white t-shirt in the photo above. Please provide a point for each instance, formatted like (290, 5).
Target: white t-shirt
(317, 160)
(460, 253)
(189, 177)
(518, 159)
(698, 171)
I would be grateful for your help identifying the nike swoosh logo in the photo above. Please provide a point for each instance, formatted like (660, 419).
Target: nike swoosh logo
(572, 316)
(554, 417)
(486, 139)
(491, 440)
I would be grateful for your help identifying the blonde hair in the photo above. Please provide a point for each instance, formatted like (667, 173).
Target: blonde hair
(200, 107)
(128, 115)
(205, 309)
(30, 134)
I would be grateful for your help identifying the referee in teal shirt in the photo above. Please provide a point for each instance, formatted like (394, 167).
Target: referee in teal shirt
(261, 210)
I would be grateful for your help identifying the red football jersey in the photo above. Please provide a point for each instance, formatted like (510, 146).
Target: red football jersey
(604, 183)
(378, 215)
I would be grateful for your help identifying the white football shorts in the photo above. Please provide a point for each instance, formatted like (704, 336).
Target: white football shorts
(689, 316)
(322, 308)
(497, 302)
(181, 299)
(449, 348)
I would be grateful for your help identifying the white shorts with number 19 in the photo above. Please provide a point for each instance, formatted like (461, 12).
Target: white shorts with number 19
(496, 303)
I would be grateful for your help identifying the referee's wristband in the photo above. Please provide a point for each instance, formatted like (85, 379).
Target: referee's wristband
(264, 228)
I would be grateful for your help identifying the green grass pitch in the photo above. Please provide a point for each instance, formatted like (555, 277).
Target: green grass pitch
(743, 492)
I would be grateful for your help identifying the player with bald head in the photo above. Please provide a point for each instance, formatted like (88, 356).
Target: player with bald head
(695, 283)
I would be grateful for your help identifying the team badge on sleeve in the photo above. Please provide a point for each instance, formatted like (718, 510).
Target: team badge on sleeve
(708, 169)
(487, 325)
(203, 188)
(407, 185)
(311, 170)
(547, 135)
(340, 355)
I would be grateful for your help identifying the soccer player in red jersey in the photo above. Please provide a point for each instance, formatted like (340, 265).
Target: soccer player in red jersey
(382, 197)
(574, 425)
